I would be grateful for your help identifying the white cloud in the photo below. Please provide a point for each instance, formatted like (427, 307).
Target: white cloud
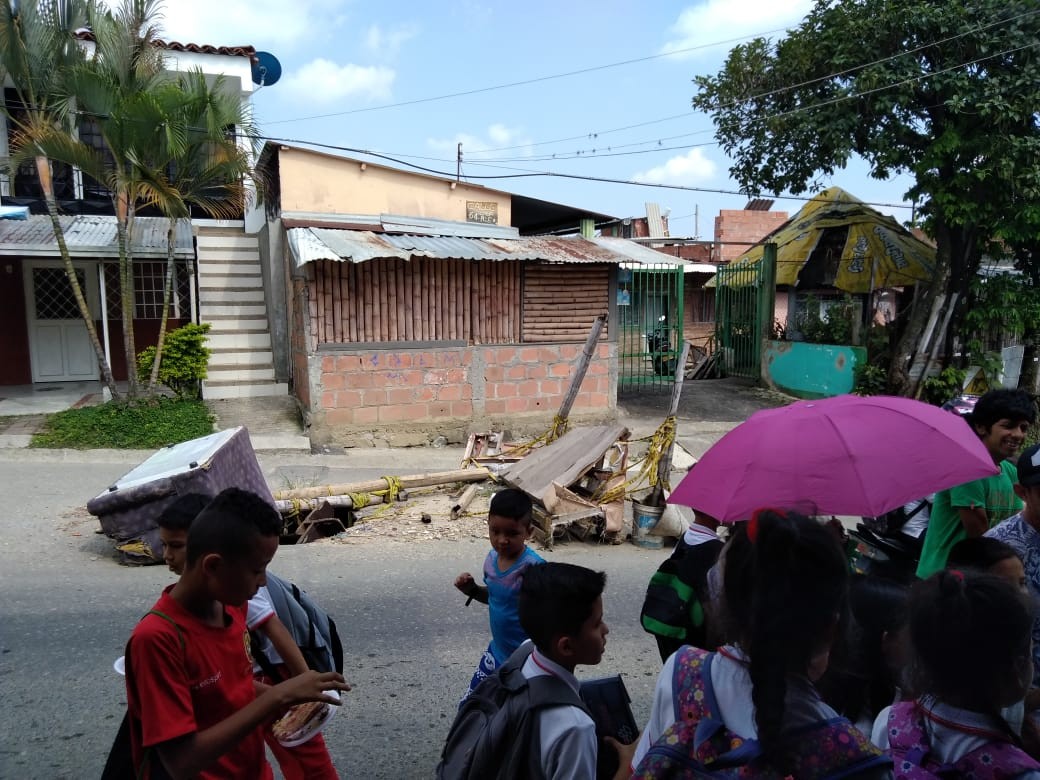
(266, 24)
(690, 168)
(497, 136)
(387, 43)
(718, 20)
(324, 81)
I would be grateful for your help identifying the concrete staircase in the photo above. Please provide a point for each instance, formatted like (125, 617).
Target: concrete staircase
(231, 300)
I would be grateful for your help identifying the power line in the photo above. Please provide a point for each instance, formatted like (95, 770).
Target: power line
(524, 173)
(592, 153)
(779, 90)
(524, 82)
(527, 174)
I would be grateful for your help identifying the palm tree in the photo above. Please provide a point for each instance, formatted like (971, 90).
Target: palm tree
(117, 87)
(38, 49)
(201, 162)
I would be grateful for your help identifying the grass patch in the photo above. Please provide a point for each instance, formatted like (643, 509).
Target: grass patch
(126, 425)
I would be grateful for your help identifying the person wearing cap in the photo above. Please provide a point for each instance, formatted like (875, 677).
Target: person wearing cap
(1021, 532)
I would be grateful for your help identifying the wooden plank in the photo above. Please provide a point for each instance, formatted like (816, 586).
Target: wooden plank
(392, 284)
(564, 461)
(312, 299)
(423, 307)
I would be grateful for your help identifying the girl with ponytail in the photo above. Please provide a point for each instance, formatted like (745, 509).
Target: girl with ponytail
(751, 709)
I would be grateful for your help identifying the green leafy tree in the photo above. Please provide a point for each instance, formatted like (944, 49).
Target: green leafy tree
(1000, 305)
(38, 49)
(945, 90)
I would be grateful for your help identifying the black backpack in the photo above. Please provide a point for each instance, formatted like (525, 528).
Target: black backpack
(891, 522)
(495, 734)
(672, 608)
(309, 625)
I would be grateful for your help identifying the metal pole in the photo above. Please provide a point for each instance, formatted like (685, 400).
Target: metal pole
(104, 311)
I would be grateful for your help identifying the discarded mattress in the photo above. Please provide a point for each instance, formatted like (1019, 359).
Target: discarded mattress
(129, 510)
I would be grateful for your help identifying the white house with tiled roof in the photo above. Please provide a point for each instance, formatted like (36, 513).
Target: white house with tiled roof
(218, 274)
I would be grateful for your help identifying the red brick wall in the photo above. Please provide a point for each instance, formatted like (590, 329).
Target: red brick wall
(737, 231)
(456, 386)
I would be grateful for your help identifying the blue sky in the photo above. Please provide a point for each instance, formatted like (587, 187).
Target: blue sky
(347, 59)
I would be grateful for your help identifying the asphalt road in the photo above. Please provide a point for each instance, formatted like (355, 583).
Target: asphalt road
(67, 608)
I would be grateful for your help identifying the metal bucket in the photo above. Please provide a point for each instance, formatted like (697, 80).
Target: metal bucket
(644, 519)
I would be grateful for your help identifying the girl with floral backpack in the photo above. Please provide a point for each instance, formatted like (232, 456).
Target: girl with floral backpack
(970, 639)
(751, 709)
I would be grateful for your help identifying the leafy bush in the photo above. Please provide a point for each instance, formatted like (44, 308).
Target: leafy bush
(184, 360)
(869, 379)
(939, 389)
(831, 326)
(144, 424)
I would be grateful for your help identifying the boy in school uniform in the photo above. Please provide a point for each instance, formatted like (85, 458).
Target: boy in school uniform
(561, 609)
(194, 708)
(307, 761)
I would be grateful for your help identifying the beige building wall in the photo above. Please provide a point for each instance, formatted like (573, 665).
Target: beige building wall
(321, 183)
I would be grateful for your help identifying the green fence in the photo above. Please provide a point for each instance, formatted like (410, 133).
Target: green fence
(744, 300)
(650, 317)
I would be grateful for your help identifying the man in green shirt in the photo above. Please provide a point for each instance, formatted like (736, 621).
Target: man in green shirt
(1001, 419)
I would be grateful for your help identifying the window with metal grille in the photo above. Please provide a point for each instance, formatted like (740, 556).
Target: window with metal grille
(52, 294)
(149, 278)
(90, 134)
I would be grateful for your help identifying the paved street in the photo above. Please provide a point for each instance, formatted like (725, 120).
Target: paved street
(68, 607)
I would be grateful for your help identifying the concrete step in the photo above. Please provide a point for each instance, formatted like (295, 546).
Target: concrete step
(245, 358)
(232, 373)
(236, 262)
(236, 324)
(223, 268)
(239, 341)
(220, 309)
(227, 241)
(230, 294)
(215, 390)
(230, 282)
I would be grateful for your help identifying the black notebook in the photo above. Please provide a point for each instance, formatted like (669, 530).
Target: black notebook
(608, 703)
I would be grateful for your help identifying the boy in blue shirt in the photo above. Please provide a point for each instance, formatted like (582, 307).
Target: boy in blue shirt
(509, 527)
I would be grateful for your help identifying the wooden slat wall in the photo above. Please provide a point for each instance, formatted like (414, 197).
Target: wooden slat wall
(419, 300)
(562, 301)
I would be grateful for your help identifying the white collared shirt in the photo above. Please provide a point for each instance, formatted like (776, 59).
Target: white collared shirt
(567, 734)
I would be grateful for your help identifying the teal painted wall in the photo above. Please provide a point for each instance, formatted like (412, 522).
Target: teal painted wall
(811, 370)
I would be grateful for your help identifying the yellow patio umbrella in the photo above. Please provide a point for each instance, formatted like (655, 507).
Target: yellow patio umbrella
(877, 251)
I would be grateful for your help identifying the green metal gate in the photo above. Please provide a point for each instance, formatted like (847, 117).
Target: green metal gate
(744, 304)
(650, 316)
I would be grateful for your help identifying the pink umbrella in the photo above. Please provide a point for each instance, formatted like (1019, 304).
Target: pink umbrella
(847, 455)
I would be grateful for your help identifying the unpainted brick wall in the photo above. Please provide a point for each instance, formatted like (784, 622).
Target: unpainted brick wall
(390, 387)
(737, 230)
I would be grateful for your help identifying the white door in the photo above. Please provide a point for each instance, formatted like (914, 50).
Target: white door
(58, 340)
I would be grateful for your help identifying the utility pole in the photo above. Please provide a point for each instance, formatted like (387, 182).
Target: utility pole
(458, 164)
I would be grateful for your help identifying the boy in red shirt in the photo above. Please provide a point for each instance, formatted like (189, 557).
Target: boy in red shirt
(194, 707)
(310, 760)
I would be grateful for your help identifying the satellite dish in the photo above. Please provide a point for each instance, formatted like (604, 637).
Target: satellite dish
(266, 69)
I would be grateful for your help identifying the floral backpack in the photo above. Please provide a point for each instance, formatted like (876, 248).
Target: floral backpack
(698, 744)
(911, 752)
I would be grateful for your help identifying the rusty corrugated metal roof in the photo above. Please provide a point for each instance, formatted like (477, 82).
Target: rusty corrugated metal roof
(311, 244)
(91, 236)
